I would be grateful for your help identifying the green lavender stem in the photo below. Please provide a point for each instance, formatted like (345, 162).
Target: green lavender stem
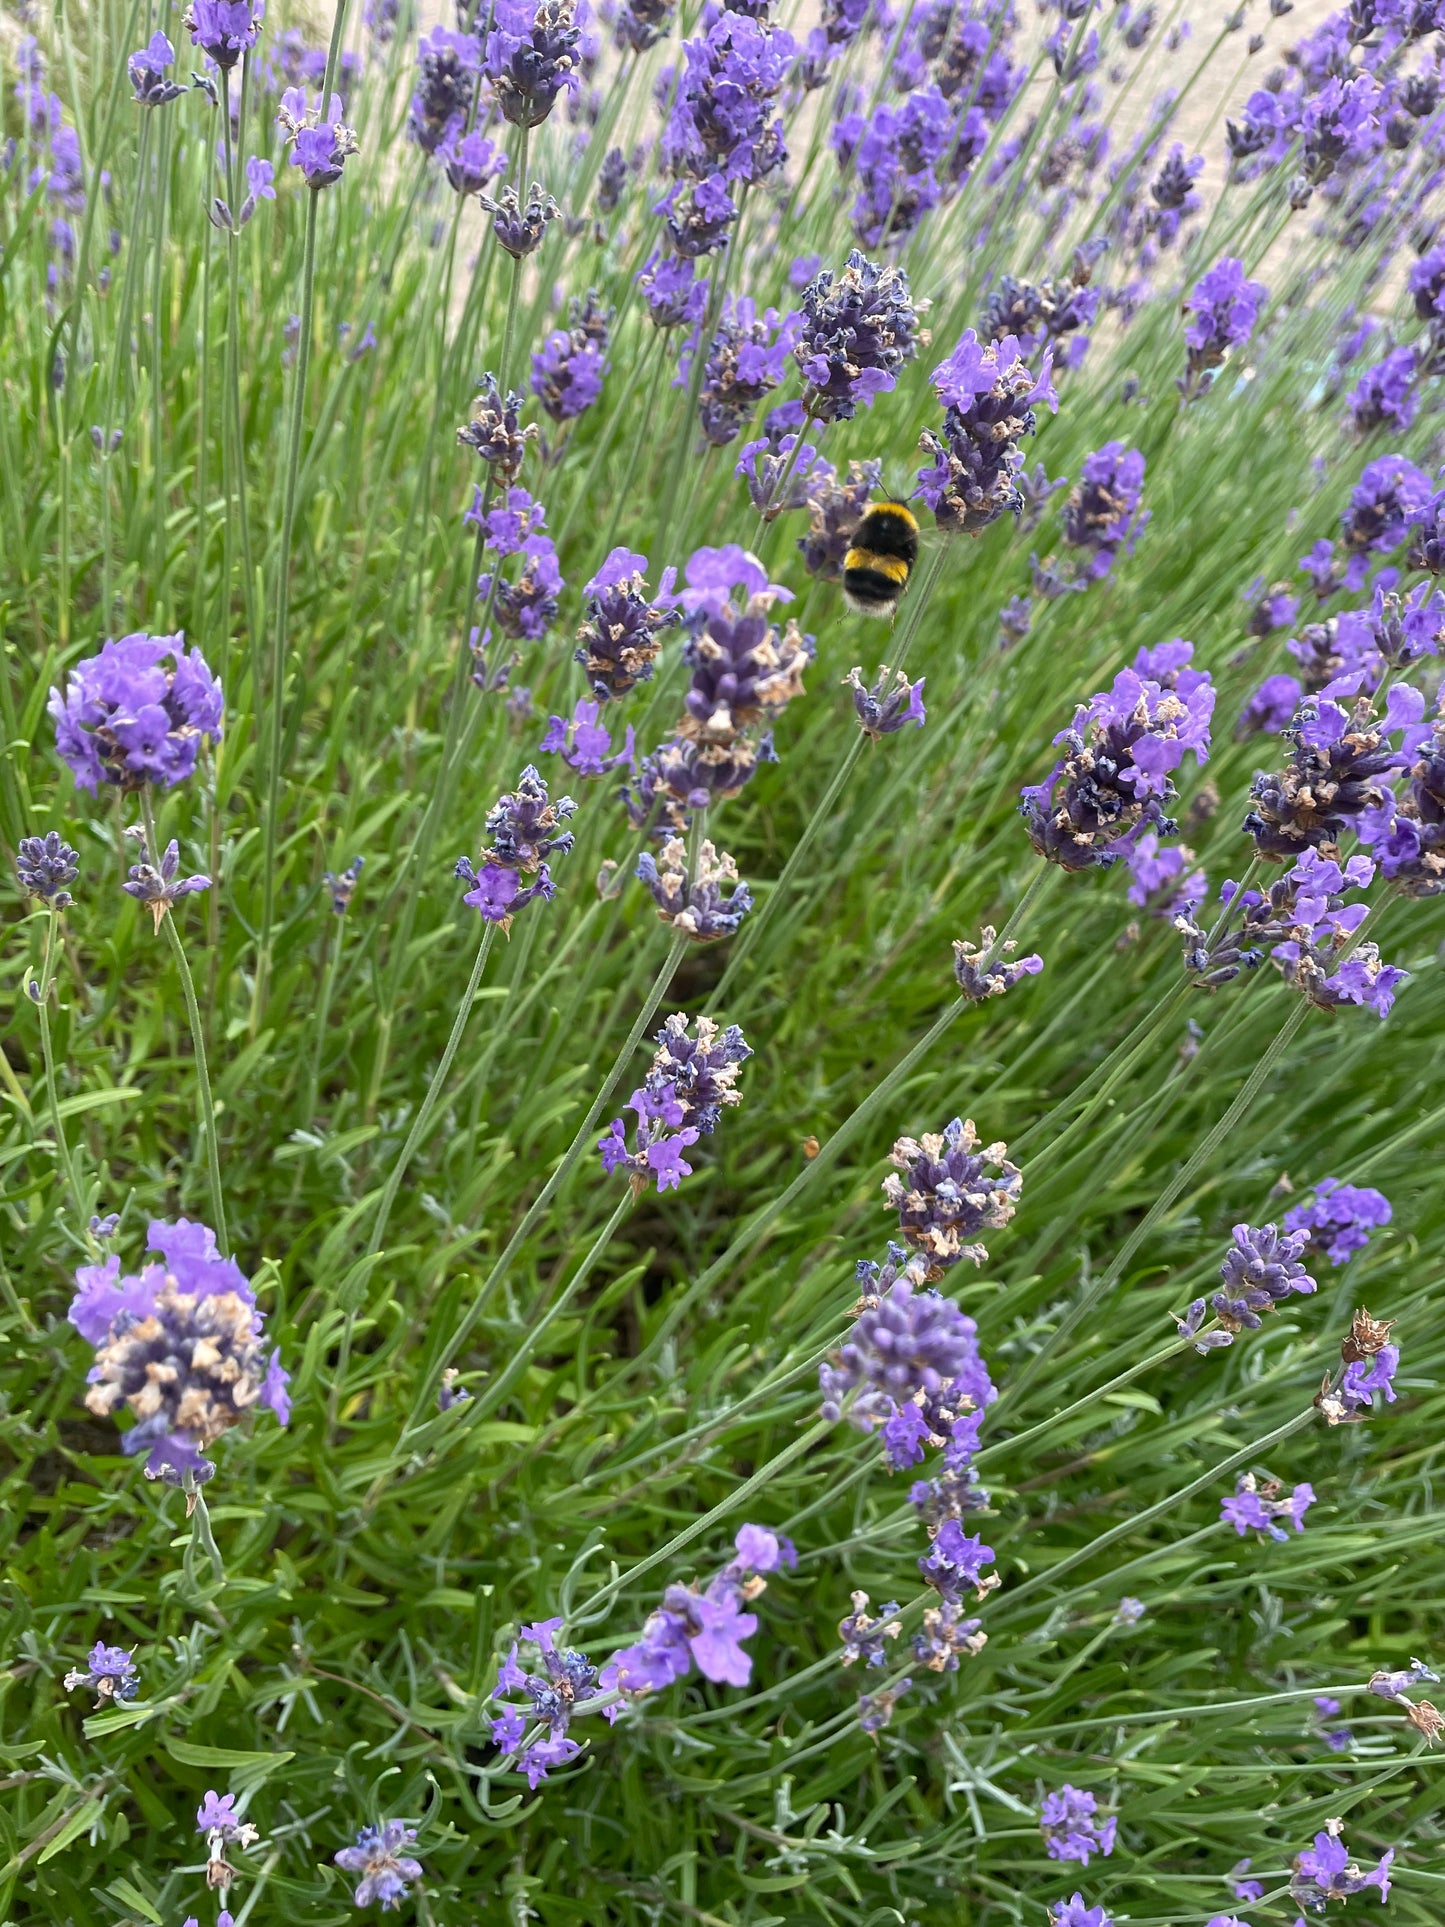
(47, 1053)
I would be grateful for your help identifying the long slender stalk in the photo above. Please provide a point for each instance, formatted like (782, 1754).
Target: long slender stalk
(276, 682)
(47, 1053)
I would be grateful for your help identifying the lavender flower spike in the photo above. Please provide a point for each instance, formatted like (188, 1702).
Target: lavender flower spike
(495, 431)
(1326, 1872)
(946, 1197)
(691, 1082)
(864, 1638)
(1261, 1271)
(1225, 305)
(1070, 1830)
(621, 638)
(147, 70)
(109, 1672)
(44, 865)
(1073, 1913)
(523, 828)
(1370, 1364)
(137, 713)
(159, 889)
(988, 396)
(224, 29)
(859, 329)
(883, 711)
(981, 974)
(320, 141)
(695, 906)
(1339, 1220)
(387, 1871)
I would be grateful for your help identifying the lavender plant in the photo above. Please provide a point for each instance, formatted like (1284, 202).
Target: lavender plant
(397, 403)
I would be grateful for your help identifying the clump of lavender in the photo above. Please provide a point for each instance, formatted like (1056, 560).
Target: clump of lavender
(692, 1080)
(523, 830)
(224, 29)
(45, 865)
(910, 1368)
(621, 637)
(1334, 775)
(1042, 314)
(524, 606)
(147, 70)
(1070, 1829)
(137, 713)
(320, 141)
(495, 431)
(697, 903)
(864, 1638)
(1391, 496)
(1326, 1872)
(1370, 1362)
(1102, 516)
(568, 368)
(532, 56)
(1385, 394)
(745, 361)
(1339, 1218)
(1114, 779)
(946, 1195)
(722, 120)
(988, 968)
(180, 1346)
(1258, 1505)
(1224, 307)
(882, 710)
(859, 328)
(447, 68)
(1260, 1272)
(1405, 831)
(988, 396)
(109, 1672)
(702, 1626)
(387, 1870)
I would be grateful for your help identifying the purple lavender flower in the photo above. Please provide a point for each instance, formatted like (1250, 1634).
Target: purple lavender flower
(640, 24)
(320, 141)
(699, 217)
(180, 1345)
(519, 225)
(675, 297)
(1115, 776)
(387, 1870)
(159, 888)
(1333, 777)
(224, 29)
(875, 1710)
(859, 328)
(1160, 880)
(585, 743)
(1385, 394)
(1270, 608)
(450, 1394)
(147, 70)
(745, 668)
(695, 905)
(893, 154)
(783, 478)
(1394, 1686)
(1426, 283)
(1225, 306)
(1339, 1219)
(722, 119)
(682, 1098)
(525, 607)
(496, 433)
(471, 161)
(988, 396)
(980, 973)
(684, 775)
(522, 828)
(44, 866)
(704, 1627)
(567, 370)
(1326, 1872)
(1406, 832)
(1341, 125)
(834, 511)
(447, 68)
(1389, 498)
(947, 1635)
(136, 713)
(883, 711)
(1337, 1738)
(1258, 1506)
(911, 1351)
(1070, 1830)
(531, 56)
(946, 1197)
(621, 638)
(1271, 708)
(1073, 1913)
(746, 361)
(109, 1672)
(955, 1562)
(864, 1639)
(1040, 314)
(1260, 1272)
(1370, 1364)
(1102, 516)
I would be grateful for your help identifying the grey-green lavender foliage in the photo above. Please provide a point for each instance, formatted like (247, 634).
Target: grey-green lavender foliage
(524, 1388)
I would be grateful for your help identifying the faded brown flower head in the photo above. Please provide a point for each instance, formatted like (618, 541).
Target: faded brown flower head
(1367, 1336)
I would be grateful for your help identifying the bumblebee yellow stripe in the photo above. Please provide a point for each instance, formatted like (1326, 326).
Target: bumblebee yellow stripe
(891, 566)
(896, 510)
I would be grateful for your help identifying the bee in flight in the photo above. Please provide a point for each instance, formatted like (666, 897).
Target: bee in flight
(877, 566)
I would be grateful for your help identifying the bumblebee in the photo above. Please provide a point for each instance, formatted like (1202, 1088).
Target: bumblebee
(879, 562)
